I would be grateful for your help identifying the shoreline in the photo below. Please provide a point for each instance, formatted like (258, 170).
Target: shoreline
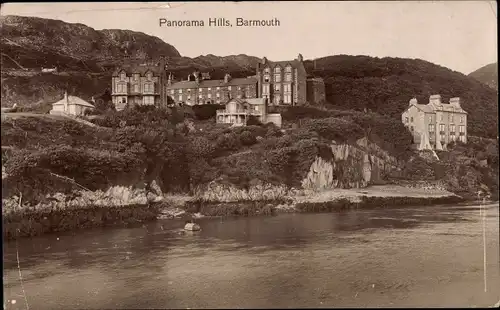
(34, 222)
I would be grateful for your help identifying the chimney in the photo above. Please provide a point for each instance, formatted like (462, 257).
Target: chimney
(196, 75)
(455, 102)
(435, 99)
(264, 60)
(227, 78)
(413, 101)
(300, 58)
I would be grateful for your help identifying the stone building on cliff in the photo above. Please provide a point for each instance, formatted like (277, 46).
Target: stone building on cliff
(436, 124)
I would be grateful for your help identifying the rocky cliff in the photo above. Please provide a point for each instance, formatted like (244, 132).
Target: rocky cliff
(351, 166)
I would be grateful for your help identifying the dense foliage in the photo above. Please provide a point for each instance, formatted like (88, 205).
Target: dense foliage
(136, 146)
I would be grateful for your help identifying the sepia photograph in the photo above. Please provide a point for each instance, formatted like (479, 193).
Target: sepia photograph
(250, 154)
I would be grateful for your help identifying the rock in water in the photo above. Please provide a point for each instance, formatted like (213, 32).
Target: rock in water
(192, 227)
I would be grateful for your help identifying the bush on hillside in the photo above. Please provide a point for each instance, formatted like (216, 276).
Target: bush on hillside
(337, 129)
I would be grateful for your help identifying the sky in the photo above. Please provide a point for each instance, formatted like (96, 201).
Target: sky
(460, 35)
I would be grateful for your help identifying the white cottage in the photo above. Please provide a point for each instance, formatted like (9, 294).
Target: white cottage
(71, 105)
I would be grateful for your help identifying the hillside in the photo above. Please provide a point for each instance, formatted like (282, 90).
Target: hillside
(385, 85)
(487, 74)
(24, 37)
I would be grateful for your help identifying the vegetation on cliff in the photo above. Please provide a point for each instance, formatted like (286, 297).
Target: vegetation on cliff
(43, 155)
(137, 146)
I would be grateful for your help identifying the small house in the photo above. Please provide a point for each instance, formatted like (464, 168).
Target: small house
(71, 105)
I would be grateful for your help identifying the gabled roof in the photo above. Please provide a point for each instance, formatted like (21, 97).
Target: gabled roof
(142, 70)
(273, 64)
(73, 100)
(213, 83)
(446, 107)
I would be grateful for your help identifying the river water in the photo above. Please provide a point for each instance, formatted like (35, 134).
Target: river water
(402, 257)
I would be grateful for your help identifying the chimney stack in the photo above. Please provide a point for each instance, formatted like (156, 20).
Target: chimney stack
(300, 58)
(435, 99)
(227, 78)
(455, 102)
(413, 101)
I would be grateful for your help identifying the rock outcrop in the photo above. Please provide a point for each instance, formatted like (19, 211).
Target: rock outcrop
(351, 166)
(217, 192)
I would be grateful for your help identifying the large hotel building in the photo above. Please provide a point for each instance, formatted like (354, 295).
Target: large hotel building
(280, 83)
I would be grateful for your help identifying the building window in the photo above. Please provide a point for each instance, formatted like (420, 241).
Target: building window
(431, 128)
(136, 88)
(229, 88)
(209, 89)
(287, 88)
(265, 89)
(148, 88)
(288, 77)
(149, 75)
(171, 91)
(411, 119)
(180, 97)
(288, 68)
(441, 128)
(451, 118)
(180, 91)
(218, 95)
(452, 129)
(287, 98)
(267, 70)
(277, 78)
(277, 87)
(406, 119)
(218, 88)
(411, 128)
(148, 100)
(442, 138)
(442, 116)
(430, 119)
(277, 70)
(461, 129)
(461, 119)
(136, 77)
(209, 95)
(123, 76)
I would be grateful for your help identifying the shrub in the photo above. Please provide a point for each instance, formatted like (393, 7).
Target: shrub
(247, 138)
(332, 128)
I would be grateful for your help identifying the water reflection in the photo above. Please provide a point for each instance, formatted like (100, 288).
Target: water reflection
(290, 260)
